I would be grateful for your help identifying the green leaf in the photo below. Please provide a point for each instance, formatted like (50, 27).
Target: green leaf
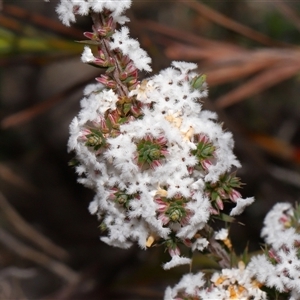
(225, 218)
(88, 42)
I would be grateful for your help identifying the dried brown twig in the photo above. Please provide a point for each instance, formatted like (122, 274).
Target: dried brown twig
(28, 114)
(226, 22)
(288, 12)
(40, 21)
(9, 176)
(26, 252)
(223, 62)
(29, 232)
(260, 82)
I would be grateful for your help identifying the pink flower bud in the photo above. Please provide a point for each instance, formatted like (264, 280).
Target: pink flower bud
(106, 81)
(213, 211)
(234, 195)
(130, 68)
(135, 110)
(100, 62)
(273, 255)
(113, 118)
(205, 164)
(174, 251)
(165, 219)
(103, 126)
(110, 23)
(187, 242)
(125, 60)
(90, 35)
(161, 140)
(220, 203)
(162, 208)
(155, 163)
(222, 193)
(84, 134)
(284, 219)
(112, 193)
(190, 170)
(164, 152)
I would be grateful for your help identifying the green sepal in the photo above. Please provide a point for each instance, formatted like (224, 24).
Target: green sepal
(126, 108)
(225, 218)
(110, 69)
(122, 120)
(198, 81)
(88, 42)
(74, 162)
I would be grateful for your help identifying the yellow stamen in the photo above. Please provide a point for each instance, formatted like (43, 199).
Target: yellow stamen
(232, 293)
(241, 289)
(174, 119)
(189, 134)
(161, 192)
(150, 241)
(227, 243)
(220, 280)
(256, 283)
(241, 265)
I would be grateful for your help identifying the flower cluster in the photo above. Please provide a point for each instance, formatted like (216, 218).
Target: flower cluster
(279, 267)
(161, 166)
(230, 284)
(68, 9)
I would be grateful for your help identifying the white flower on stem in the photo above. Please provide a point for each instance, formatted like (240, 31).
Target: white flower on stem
(143, 91)
(68, 9)
(240, 205)
(176, 261)
(235, 283)
(152, 155)
(131, 48)
(274, 228)
(200, 244)
(222, 234)
(87, 55)
(279, 267)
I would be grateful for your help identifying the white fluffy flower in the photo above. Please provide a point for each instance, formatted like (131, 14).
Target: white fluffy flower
(279, 268)
(274, 224)
(240, 205)
(176, 261)
(222, 234)
(131, 47)
(87, 55)
(152, 155)
(147, 196)
(68, 9)
(235, 283)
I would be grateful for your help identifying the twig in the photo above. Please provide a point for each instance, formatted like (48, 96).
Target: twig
(29, 232)
(183, 35)
(235, 71)
(32, 112)
(37, 257)
(289, 13)
(211, 53)
(42, 21)
(11, 177)
(17, 273)
(10, 23)
(98, 24)
(261, 82)
(226, 22)
(273, 145)
(215, 248)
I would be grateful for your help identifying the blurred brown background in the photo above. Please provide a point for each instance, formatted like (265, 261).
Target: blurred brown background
(49, 243)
